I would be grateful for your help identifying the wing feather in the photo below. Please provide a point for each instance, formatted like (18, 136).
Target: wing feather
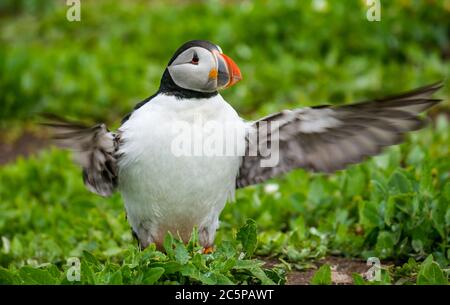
(329, 138)
(94, 149)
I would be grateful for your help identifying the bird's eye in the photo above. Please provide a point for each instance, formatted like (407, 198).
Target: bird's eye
(195, 59)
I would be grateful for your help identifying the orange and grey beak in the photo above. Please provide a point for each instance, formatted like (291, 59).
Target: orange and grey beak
(227, 72)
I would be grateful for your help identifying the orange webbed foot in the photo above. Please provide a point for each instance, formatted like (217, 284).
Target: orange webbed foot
(208, 250)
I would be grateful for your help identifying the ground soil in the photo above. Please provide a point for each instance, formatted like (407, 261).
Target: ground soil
(342, 270)
(24, 145)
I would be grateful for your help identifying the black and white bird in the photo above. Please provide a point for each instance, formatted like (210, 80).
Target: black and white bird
(164, 192)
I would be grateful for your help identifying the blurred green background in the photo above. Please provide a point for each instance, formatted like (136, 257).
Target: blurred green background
(291, 54)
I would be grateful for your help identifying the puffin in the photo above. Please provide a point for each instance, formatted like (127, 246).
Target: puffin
(168, 186)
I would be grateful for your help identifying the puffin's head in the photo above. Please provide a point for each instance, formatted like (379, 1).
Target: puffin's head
(200, 66)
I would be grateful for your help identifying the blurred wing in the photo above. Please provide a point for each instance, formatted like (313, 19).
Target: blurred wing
(328, 138)
(94, 150)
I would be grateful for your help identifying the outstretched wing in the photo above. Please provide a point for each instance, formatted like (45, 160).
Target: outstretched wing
(328, 138)
(94, 150)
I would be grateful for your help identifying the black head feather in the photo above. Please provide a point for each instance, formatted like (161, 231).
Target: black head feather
(168, 86)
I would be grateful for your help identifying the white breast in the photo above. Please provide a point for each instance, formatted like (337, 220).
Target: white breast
(164, 192)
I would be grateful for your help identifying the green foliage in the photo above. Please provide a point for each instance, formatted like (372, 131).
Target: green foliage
(47, 216)
(114, 57)
(430, 273)
(247, 237)
(291, 54)
(182, 264)
(322, 276)
(385, 279)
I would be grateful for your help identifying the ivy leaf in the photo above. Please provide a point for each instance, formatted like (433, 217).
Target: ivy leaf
(399, 183)
(168, 245)
(153, 275)
(438, 216)
(430, 273)
(191, 271)
(261, 275)
(8, 278)
(369, 214)
(116, 278)
(181, 254)
(415, 156)
(322, 276)
(355, 182)
(87, 275)
(221, 279)
(247, 237)
(34, 276)
(358, 279)
(92, 260)
(385, 244)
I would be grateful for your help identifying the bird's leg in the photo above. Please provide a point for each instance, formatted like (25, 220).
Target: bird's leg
(206, 235)
(144, 237)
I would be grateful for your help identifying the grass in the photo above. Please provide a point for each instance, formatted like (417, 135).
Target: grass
(394, 207)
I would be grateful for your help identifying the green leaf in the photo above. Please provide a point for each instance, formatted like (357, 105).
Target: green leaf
(193, 241)
(248, 238)
(379, 190)
(168, 245)
(277, 275)
(116, 278)
(415, 156)
(438, 215)
(37, 276)
(87, 275)
(226, 249)
(247, 264)
(358, 279)
(369, 215)
(191, 271)
(92, 260)
(170, 267)
(153, 275)
(261, 275)
(220, 279)
(322, 276)
(446, 191)
(181, 254)
(355, 182)
(199, 261)
(316, 192)
(430, 273)
(385, 244)
(7, 277)
(399, 183)
(389, 212)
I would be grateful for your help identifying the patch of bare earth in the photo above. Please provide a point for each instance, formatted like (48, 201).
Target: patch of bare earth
(24, 145)
(342, 270)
